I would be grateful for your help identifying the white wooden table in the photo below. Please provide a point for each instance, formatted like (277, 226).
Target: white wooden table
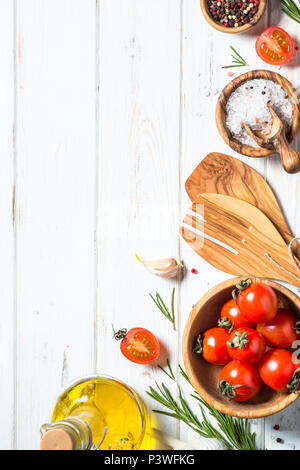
(105, 108)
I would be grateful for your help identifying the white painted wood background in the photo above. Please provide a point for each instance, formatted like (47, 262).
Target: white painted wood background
(105, 108)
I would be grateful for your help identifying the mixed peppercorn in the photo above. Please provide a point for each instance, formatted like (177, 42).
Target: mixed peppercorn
(233, 13)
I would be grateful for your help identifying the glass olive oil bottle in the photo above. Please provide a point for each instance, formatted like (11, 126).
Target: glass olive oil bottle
(96, 412)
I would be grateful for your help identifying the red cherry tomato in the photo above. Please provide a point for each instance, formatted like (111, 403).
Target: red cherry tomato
(278, 370)
(246, 344)
(212, 345)
(232, 313)
(239, 381)
(275, 46)
(282, 331)
(138, 345)
(257, 301)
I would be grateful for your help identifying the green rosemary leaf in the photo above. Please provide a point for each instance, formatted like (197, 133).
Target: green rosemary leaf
(163, 308)
(237, 61)
(231, 432)
(172, 306)
(168, 372)
(291, 9)
(184, 374)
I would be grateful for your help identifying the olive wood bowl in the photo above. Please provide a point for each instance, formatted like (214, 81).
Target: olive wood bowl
(248, 150)
(204, 376)
(239, 29)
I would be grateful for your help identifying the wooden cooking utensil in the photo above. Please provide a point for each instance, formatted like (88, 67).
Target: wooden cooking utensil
(254, 245)
(221, 174)
(277, 140)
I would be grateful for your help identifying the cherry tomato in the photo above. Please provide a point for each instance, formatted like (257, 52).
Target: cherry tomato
(275, 46)
(138, 345)
(257, 301)
(212, 345)
(282, 331)
(232, 313)
(278, 370)
(246, 344)
(239, 381)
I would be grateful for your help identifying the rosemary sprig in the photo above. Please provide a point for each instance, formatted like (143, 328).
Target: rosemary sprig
(291, 9)
(233, 433)
(168, 372)
(237, 61)
(162, 307)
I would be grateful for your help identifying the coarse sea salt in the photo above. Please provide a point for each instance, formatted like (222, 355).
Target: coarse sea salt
(249, 104)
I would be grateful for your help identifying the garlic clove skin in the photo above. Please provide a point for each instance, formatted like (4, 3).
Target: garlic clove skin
(166, 267)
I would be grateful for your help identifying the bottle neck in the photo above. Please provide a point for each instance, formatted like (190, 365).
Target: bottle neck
(68, 434)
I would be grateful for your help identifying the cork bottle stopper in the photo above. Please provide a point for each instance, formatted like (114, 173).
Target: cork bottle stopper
(57, 439)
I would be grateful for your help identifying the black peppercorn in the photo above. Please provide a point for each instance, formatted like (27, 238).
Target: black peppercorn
(222, 11)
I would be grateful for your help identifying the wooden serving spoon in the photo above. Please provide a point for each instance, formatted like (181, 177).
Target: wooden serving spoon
(276, 139)
(238, 238)
(221, 174)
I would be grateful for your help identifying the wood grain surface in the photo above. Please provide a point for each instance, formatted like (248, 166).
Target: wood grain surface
(244, 229)
(276, 139)
(221, 174)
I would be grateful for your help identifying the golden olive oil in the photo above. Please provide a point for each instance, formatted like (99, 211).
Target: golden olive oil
(106, 405)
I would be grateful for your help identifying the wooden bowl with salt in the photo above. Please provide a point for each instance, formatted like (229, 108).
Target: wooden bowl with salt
(204, 376)
(221, 113)
(240, 29)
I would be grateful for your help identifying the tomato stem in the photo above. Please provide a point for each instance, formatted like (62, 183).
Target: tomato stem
(240, 340)
(120, 334)
(228, 390)
(294, 385)
(298, 328)
(242, 285)
(198, 346)
(225, 323)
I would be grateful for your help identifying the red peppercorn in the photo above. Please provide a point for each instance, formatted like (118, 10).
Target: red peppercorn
(194, 271)
(276, 427)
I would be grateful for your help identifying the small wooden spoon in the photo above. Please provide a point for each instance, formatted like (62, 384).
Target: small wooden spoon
(277, 140)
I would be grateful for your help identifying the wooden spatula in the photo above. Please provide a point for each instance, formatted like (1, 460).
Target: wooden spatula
(277, 140)
(221, 174)
(253, 244)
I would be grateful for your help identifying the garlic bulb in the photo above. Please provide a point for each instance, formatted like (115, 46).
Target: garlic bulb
(166, 267)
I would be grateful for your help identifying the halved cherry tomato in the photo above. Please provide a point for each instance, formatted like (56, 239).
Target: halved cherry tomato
(239, 381)
(257, 301)
(212, 346)
(275, 46)
(246, 344)
(278, 370)
(232, 317)
(282, 331)
(138, 345)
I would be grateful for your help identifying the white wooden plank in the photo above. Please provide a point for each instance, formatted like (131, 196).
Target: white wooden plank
(7, 318)
(205, 51)
(286, 188)
(138, 176)
(55, 210)
(147, 149)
